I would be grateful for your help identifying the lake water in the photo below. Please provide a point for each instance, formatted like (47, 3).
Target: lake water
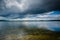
(50, 25)
(12, 29)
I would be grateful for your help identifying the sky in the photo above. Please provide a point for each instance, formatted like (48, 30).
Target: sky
(22, 8)
(30, 10)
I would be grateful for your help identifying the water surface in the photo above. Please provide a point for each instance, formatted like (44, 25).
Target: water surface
(50, 25)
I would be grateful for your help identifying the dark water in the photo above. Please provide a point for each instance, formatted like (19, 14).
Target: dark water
(50, 25)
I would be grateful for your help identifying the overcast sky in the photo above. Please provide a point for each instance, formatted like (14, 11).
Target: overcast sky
(23, 8)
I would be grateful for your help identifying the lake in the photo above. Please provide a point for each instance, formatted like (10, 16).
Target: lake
(26, 30)
(50, 25)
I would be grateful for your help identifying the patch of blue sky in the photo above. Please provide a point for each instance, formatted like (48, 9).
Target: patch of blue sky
(55, 13)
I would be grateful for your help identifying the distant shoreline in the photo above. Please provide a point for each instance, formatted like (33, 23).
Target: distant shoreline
(26, 20)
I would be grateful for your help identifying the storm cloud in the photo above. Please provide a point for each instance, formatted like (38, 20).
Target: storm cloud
(28, 6)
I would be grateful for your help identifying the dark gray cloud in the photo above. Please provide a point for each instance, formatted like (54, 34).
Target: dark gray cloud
(8, 7)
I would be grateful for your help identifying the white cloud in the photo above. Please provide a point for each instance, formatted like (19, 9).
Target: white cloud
(16, 5)
(36, 18)
(2, 18)
(20, 6)
(16, 17)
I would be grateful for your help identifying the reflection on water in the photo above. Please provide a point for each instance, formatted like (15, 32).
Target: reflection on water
(16, 30)
(51, 25)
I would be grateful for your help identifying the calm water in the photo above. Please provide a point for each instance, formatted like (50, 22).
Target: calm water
(50, 25)
(9, 28)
